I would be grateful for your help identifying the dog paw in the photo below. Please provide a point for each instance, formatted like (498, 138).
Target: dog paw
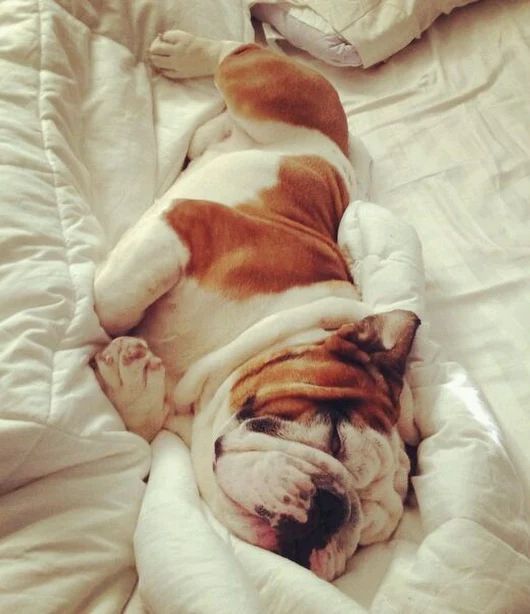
(274, 487)
(180, 55)
(133, 379)
(287, 492)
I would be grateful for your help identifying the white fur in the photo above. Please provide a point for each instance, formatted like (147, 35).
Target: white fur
(147, 261)
(236, 169)
(206, 321)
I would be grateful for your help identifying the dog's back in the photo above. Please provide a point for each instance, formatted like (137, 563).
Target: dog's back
(258, 212)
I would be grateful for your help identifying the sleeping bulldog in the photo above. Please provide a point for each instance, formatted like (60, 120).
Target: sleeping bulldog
(244, 330)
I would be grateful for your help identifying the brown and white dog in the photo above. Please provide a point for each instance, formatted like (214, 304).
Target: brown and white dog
(245, 331)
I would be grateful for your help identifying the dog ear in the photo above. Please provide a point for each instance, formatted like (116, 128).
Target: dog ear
(382, 341)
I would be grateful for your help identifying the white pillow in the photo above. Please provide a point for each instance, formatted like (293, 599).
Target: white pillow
(353, 32)
(307, 30)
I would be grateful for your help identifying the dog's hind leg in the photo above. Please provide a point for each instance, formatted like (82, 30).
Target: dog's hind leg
(266, 93)
(271, 96)
(179, 55)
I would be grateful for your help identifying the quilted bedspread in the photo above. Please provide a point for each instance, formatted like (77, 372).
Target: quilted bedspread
(89, 138)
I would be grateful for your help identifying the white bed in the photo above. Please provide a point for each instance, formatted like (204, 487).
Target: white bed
(89, 138)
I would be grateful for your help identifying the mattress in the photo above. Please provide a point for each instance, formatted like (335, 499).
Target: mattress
(89, 139)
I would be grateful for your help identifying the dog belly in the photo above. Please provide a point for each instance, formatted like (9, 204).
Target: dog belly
(191, 321)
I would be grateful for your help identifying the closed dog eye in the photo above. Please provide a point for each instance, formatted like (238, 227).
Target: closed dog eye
(267, 426)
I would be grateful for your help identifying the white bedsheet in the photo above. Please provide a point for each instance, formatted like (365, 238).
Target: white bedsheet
(89, 139)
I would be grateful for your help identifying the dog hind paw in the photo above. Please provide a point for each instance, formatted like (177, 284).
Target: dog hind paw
(180, 55)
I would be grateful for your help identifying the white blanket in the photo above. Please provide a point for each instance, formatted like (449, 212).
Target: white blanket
(89, 138)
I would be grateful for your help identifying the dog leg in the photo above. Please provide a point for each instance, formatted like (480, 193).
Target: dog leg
(180, 55)
(147, 262)
(267, 94)
(133, 379)
(271, 96)
(213, 131)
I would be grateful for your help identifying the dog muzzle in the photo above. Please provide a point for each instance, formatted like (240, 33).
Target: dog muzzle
(288, 497)
(303, 503)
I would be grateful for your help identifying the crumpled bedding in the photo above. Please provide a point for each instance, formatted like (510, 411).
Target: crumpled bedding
(89, 139)
(353, 32)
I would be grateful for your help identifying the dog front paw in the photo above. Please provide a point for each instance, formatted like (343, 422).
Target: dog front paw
(272, 486)
(133, 379)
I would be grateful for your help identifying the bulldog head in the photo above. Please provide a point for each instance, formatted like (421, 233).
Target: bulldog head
(311, 463)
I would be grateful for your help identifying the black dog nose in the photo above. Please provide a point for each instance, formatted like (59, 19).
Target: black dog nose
(328, 512)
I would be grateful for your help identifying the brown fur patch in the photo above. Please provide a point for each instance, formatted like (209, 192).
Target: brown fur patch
(309, 191)
(260, 84)
(285, 238)
(298, 384)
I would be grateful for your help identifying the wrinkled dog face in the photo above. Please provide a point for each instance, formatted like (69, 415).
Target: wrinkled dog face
(311, 464)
